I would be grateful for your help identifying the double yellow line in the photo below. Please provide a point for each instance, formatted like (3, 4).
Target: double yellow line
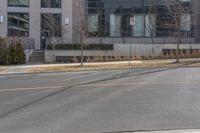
(34, 88)
(140, 83)
(101, 85)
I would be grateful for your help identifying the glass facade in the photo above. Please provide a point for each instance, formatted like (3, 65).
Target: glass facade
(18, 24)
(18, 3)
(51, 24)
(51, 3)
(111, 18)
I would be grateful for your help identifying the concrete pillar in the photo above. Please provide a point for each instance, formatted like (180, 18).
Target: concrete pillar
(196, 15)
(34, 26)
(3, 12)
(67, 15)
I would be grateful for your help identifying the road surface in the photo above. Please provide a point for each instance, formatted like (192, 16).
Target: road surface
(101, 101)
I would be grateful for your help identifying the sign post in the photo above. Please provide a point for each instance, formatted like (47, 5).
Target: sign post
(132, 23)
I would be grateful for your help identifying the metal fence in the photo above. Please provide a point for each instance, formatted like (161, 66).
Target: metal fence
(27, 43)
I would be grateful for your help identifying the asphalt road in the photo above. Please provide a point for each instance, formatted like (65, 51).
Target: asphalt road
(100, 101)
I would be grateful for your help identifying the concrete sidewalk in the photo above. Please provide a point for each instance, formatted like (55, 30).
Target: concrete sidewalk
(22, 69)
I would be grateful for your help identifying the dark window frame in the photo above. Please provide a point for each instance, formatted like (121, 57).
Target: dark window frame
(92, 7)
(47, 31)
(51, 5)
(18, 35)
(18, 5)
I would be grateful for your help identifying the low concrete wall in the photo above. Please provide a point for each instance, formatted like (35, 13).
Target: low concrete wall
(149, 49)
(28, 54)
(155, 40)
(122, 50)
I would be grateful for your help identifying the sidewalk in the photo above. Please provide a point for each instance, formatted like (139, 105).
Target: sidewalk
(22, 69)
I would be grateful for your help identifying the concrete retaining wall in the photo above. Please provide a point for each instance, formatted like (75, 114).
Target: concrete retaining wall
(122, 50)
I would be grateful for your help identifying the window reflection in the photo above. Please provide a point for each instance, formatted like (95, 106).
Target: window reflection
(51, 24)
(51, 3)
(112, 18)
(18, 3)
(18, 24)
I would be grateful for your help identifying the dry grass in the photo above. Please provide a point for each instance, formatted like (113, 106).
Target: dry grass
(194, 64)
(110, 66)
(2, 69)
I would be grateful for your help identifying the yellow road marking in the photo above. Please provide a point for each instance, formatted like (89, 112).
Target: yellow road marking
(35, 88)
(140, 83)
(99, 85)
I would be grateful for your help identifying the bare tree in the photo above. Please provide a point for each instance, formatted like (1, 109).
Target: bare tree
(94, 25)
(80, 25)
(49, 30)
(150, 26)
(181, 13)
(51, 26)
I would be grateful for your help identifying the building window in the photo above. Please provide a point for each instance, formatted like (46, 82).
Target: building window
(115, 25)
(138, 28)
(51, 3)
(186, 22)
(18, 24)
(51, 24)
(108, 18)
(18, 3)
(150, 25)
(93, 24)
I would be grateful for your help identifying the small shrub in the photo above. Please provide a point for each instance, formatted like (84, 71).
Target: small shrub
(75, 60)
(2, 51)
(89, 59)
(195, 55)
(172, 56)
(146, 57)
(137, 58)
(156, 57)
(107, 58)
(19, 54)
(166, 56)
(125, 58)
(100, 59)
(11, 54)
(162, 56)
(118, 58)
